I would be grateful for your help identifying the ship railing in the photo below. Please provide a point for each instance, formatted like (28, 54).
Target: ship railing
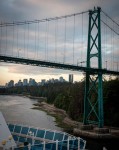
(69, 144)
(38, 137)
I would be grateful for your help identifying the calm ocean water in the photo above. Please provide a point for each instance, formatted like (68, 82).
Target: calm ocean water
(17, 109)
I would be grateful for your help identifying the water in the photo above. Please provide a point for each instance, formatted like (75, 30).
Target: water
(17, 109)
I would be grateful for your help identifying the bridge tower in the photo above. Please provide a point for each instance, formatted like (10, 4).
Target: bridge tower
(93, 99)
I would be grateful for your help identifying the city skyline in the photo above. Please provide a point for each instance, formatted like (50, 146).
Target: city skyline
(32, 82)
(40, 77)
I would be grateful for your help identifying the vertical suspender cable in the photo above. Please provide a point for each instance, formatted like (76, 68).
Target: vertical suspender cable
(45, 39)
(17, 42)
(24, 38)
(28, 41)
(6, 40)
(65, 34)
(111, 52)
(57, 37)
(55, 40)
(13, 39)
(118, 59)
(38, 42)
(113, 47)
(82, 42)
(118, 53)
(73, 38)
(56, 32)
(106, 45)
(1, 39)
(35, 54)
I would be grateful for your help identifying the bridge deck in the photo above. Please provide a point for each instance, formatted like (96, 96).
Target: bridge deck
(49, 64)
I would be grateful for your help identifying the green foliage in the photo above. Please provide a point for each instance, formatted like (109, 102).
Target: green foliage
(111, 102)
(70, 97)
(63, 101)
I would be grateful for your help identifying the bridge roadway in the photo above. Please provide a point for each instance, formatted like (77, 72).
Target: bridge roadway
(27, 61)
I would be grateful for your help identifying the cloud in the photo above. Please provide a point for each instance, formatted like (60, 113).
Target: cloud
(35, 70)
(21, 45)
(11, 10)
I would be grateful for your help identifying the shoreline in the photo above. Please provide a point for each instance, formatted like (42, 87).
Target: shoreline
(71, 126)
(29, 96)
(67, 124)
(62, 119)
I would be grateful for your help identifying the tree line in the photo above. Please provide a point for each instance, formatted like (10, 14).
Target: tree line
(70, 97)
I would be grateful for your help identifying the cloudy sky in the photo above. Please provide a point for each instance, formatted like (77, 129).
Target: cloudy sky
(23, 10)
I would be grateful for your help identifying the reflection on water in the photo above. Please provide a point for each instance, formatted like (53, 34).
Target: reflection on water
(17, 109)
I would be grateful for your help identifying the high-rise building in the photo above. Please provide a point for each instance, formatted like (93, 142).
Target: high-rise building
(71, 78)
(20, 83)
(25, 82)
(61, 79)
(11, 83)
(43, 81)
(32, 82)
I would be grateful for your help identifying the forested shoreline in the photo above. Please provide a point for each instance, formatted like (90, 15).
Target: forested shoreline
(70, 97)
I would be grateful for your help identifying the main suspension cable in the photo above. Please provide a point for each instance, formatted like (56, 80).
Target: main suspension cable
(42, 20)
(110, 18)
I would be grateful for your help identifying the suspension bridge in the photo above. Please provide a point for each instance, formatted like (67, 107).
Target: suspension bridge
(87, 41)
